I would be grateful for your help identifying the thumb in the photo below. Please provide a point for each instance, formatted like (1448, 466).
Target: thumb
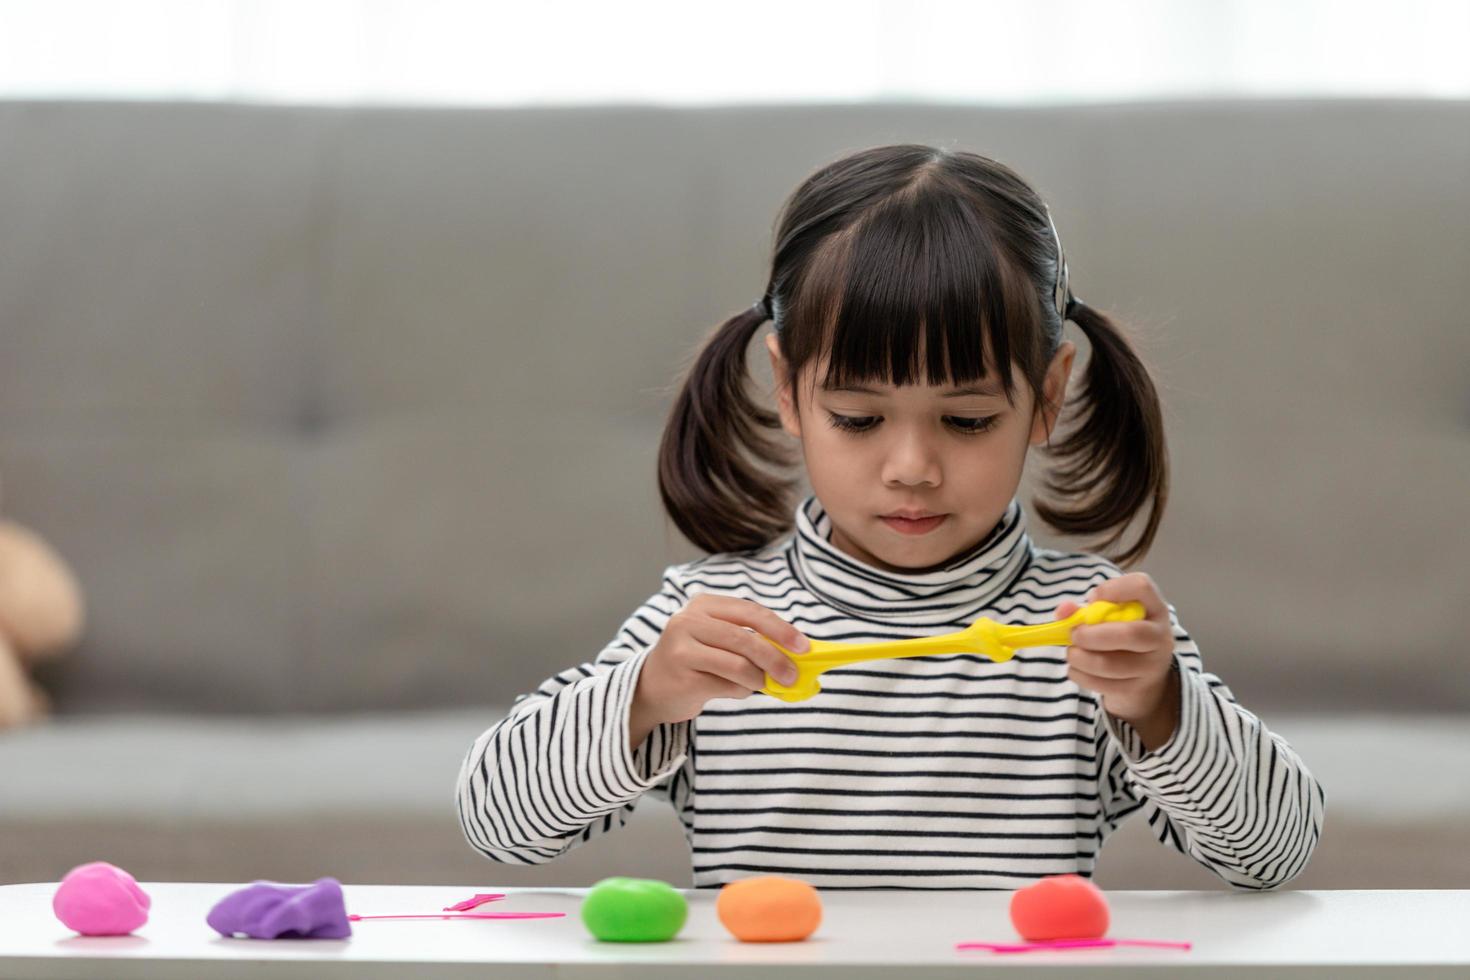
(1066, 608)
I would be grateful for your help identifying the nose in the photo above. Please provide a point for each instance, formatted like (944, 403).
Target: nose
(912, 461)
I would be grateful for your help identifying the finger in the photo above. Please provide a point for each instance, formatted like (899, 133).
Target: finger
(728, 667)
(1121, 666)
(749, 645)
(1140, 636)
(719, 687)
(743, 612)
(1098, 685)
(1066, 608)
(1135, 587)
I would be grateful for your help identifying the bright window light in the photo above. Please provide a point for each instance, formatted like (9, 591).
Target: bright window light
(756, 51)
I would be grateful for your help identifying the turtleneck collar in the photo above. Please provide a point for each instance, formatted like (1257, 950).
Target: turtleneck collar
(955, 592)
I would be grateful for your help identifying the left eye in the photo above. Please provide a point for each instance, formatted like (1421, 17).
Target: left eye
(968, 425)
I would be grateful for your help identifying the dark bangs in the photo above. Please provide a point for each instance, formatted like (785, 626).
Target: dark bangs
(922, 277)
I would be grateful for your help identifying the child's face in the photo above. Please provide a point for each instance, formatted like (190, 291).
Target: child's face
(914, 453)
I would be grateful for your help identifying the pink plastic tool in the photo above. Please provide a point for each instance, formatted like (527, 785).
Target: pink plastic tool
(1064, 944)
(480, 899)
(467, 915)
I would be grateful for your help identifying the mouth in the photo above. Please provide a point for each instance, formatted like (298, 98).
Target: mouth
(914, 521)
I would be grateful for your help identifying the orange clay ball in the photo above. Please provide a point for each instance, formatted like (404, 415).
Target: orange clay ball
(769, 909)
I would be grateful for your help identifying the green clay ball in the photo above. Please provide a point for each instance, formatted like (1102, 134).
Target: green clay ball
(634, 910)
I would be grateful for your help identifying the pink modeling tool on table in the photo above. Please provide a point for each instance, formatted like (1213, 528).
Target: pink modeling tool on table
(466, 915)
(1064, 944)
(480, 899)
(462, 908)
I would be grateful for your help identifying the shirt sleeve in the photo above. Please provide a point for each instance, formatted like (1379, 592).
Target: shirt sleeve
(558, 770)
(1224, 789)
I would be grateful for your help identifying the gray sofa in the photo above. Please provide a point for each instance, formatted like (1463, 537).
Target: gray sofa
(346, 419)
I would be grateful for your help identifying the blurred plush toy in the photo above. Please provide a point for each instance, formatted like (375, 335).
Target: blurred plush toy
(41, 615)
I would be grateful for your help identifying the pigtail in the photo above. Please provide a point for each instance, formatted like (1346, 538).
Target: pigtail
(1114, 461)
(715, 437)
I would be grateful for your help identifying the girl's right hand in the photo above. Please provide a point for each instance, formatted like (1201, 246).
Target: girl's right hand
(707, 651)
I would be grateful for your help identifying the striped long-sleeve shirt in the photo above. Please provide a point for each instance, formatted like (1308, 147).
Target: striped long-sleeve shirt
(926, 772)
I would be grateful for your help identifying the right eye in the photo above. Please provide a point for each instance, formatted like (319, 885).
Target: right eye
(852, 423)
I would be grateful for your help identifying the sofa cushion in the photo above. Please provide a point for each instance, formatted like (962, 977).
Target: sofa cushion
(370, 799)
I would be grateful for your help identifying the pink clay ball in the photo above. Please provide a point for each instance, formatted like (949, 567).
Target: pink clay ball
(100, 899)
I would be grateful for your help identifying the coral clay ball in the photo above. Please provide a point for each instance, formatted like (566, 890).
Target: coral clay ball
(1060, 907)
(769, 909)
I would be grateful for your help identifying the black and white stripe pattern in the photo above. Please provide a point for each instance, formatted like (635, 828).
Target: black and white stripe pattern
(931, 772)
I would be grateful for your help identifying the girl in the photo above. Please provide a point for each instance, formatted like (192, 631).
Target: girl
(917, 297)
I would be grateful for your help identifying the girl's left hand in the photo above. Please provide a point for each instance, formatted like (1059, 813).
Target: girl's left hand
(1129, 664)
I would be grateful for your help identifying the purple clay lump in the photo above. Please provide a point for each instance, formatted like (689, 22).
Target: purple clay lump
(270, 910)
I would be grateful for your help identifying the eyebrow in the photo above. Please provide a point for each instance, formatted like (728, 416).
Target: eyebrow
(989, 390)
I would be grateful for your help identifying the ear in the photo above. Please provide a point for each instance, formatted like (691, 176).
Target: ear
(1044, 418)
(789, 419)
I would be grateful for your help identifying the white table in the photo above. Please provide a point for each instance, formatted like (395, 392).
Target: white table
(863, 934)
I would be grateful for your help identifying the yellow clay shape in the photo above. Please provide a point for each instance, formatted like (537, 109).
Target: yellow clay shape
(986, 637)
